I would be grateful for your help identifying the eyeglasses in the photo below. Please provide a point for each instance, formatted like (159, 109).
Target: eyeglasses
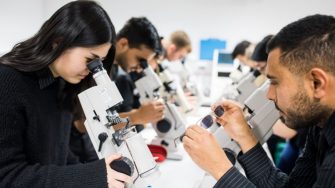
(206, 122)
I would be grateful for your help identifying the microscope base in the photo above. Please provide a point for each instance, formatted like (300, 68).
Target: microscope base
(174, 156)
(169, 145)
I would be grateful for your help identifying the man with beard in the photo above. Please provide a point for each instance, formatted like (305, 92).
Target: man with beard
(301, 69)
(137, 40)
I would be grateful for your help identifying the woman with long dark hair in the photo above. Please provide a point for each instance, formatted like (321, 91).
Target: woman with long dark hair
(39, 82)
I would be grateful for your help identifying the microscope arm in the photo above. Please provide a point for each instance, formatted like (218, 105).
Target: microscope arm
(99, 103)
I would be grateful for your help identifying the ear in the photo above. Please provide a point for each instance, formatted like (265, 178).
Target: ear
(122, 44)
(173, 47)
(320, 82)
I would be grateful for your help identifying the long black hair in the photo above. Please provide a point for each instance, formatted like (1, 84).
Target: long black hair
(76, 24)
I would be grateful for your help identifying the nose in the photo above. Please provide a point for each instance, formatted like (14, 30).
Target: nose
(271, 94)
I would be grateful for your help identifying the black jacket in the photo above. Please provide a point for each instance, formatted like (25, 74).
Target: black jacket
(314, 168)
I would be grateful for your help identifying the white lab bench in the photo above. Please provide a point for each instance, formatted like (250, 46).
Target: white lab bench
(178, 174)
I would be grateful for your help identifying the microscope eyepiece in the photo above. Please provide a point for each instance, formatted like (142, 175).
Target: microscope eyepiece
(134, 75)
(143, 63)
(161, 68)
(219, 111)
(95, 66)
(207, 121)
(256, 73)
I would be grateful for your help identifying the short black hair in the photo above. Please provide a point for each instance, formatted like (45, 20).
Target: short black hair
(240, 48)
(140, 31)
(306, 43)
(260, 53)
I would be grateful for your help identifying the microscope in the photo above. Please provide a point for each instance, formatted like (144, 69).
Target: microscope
(172, 125)
(172, 89)
(241, 88)
(262, 116)
(99, 104)
(236, 76)
(246, 86)
(188, 82)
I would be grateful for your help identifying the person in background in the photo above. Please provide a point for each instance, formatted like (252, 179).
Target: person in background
(177, 46)
(175, 50)
(39, 80)
(241, 55)
(138, 40)
(295, 143)
(301, 69)
(260, 56)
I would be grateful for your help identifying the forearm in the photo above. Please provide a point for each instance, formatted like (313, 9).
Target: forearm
(133, 116)
(233, 178)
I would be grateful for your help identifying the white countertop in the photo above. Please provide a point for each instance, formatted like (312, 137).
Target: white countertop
(178, 174)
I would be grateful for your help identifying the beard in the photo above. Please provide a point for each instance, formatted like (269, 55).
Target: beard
(305, 112)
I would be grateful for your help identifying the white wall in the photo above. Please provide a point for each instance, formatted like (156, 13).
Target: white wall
(232, 20)
(19, 20)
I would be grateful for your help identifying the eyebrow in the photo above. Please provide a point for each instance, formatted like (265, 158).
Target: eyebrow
(270, 76)
(96, 56)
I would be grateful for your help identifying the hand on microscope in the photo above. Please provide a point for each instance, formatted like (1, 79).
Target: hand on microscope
(149, 111)
(205, 151)
(115, 179)
(235, 124)
(191, 98)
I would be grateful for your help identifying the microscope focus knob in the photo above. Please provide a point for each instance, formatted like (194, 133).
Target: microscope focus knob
(102, 138)
(164, 143)
(123, 165)
(163, 125)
